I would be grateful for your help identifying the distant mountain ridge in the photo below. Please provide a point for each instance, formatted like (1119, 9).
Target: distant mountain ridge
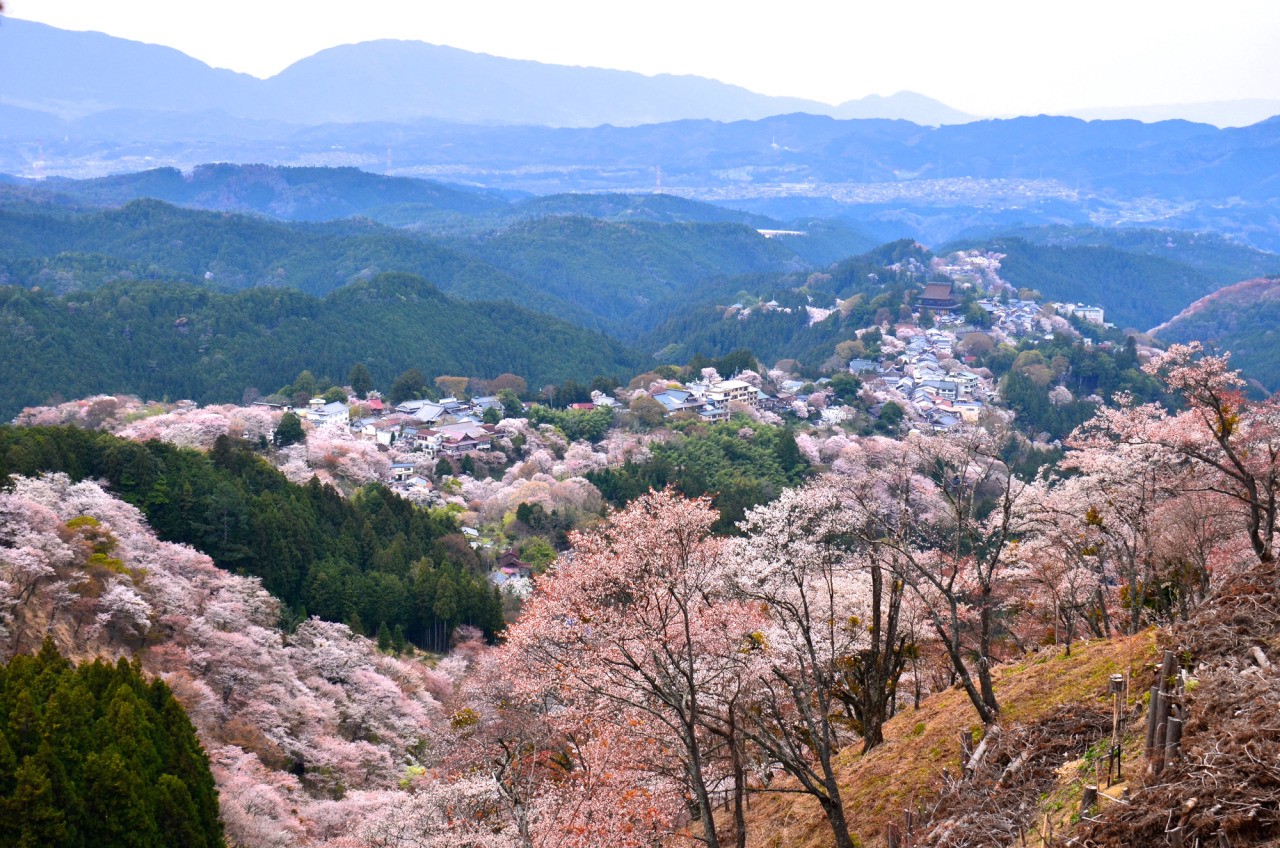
(76, 74)
(289, 194)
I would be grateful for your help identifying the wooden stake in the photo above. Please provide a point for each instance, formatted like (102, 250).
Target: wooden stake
(1173, 740)
(1167, 669)
(1089, 799)
(1151, 721)
(992, 734)
(1164, 703)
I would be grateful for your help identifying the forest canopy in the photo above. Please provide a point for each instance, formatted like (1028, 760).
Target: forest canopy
(95, 756)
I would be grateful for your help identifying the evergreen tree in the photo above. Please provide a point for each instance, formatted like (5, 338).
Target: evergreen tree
(360, 380)
(511, 405)
(112, 760)
(289, 431)
(306, 384)
(788, 452)
(408, 386)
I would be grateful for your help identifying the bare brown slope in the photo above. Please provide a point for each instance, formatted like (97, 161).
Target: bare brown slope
(1226, 788)
(1051, 702)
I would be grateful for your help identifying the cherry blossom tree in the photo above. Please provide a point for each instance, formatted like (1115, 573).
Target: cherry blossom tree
(1199, 540)
(637, 618)
(563, 776)
(106, 412)
(1232, 441)
(1064, 564)
(333, 448)
(124, 613)
(946, 510)
(432, 813)
(1116, 502)
(188, 425)
(829, 652)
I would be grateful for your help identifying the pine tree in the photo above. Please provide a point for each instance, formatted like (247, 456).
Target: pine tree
(176, 816)
(360, 380)
(31, 815)
(289, 431)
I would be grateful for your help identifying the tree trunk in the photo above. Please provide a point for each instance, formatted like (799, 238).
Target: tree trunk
(739, 779)
(1106, 617)
(739, 798)
(699, 785)
(985, 715)
(834, 809)
(984, 657)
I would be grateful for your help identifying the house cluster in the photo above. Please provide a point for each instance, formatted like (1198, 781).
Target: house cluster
(943, 395)
(1017, 319)
(510, 567)
(937, 388)
(447, 427)
(710, 400)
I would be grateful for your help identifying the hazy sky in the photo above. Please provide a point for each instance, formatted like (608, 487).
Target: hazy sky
(987, 57)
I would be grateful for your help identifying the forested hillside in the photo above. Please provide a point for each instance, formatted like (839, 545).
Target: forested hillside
(374, 561)
(62, 250)
(614, 270)
(1221, 259)
(290, 194)
(97, 755)
(1136, 290)
(592, 271)
(1242, 319)
(181, 341)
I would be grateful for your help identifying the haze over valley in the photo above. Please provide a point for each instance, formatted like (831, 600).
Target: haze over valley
(404, 446)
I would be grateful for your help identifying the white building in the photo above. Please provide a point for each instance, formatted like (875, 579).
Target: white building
(319, 412)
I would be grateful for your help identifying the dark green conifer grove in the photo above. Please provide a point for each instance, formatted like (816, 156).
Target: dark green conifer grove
(94, 756)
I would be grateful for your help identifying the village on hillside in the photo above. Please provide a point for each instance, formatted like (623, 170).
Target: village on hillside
(925, 368)
(484, 448)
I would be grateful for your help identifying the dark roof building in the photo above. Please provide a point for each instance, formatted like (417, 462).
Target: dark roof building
(938, 297)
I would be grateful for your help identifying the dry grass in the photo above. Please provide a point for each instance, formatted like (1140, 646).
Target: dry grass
(1227, 784)
(906, 772)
